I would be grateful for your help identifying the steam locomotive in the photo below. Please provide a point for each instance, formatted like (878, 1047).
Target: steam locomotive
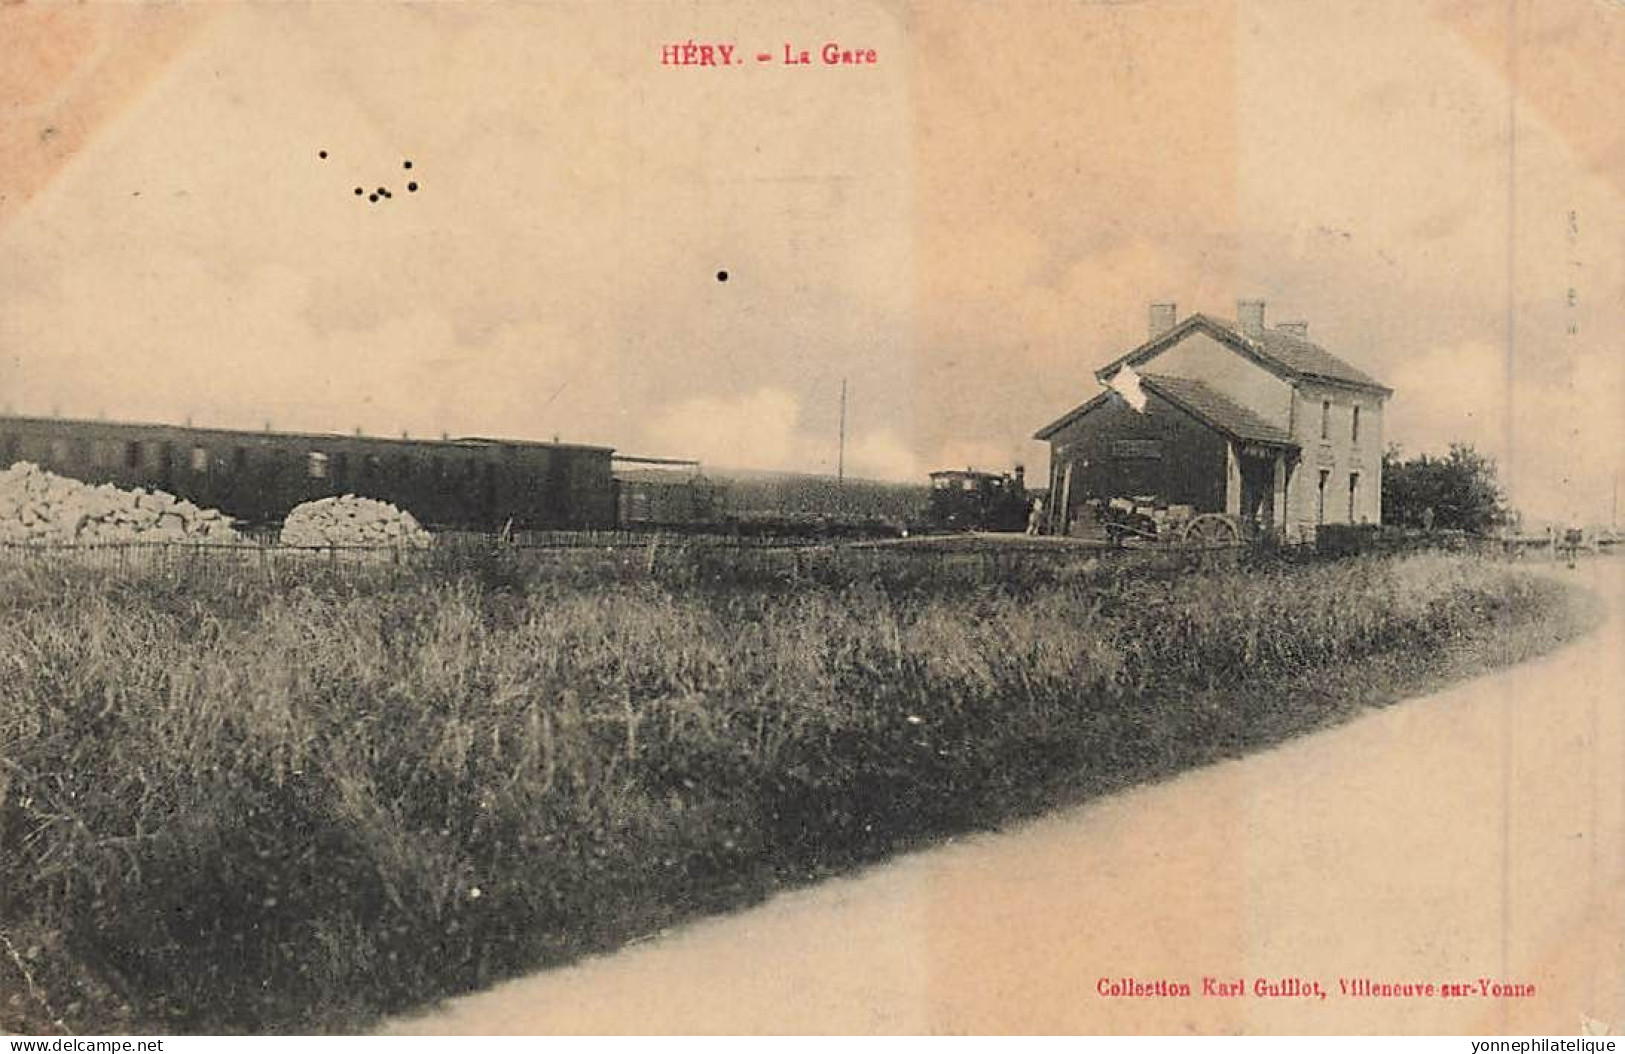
(967, 500)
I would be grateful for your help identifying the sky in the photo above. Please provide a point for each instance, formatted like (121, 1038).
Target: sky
(961, 231)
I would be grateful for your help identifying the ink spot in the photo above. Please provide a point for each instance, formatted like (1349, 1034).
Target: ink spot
(372, 197)
(722, 276)
(412, 188)
(406, 164)
(322, 154)
(359, 192)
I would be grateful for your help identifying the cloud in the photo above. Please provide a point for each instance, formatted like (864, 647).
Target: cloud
(195, 358)
(1450, 393)
(1541, 422)
(883, 454)
(982, 455)
(756, 430)
(961, 238)
(764, 430)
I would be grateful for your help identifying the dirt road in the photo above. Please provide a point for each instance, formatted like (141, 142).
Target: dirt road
(1478, 833)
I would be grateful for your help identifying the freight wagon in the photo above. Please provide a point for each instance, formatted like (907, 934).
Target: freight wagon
(257, 477)
(665, 493)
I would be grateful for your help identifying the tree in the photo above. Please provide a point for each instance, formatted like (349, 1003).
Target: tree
(1460, 489)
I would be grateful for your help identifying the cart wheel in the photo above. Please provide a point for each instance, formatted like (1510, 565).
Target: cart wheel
(1212, 531)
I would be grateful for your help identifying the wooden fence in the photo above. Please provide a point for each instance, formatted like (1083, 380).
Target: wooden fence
(614, 556)
(598, 556)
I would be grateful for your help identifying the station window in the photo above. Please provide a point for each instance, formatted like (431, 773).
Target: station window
(341, 467)
(1325, 419)
(59, 452)
(132, 454)
(1354, 494)
(1320, 495)
(239, 458)
(200, 459)
(1354, 427)
(316, 465)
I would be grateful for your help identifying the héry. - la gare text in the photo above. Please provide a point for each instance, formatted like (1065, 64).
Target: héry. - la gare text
(833, 53)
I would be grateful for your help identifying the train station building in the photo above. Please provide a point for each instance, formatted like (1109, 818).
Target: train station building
(1215, 416)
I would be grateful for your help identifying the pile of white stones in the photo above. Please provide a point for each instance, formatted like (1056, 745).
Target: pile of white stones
(351, 521)
(41, 508)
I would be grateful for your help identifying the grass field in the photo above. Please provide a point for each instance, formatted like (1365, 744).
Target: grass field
(228, 806)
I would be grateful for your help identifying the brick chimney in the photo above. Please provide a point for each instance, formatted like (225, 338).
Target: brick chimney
(1163, 318)
(1293, 329)
(1250, 313)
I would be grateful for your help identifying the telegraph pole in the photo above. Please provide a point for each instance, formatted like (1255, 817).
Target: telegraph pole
(840, 453)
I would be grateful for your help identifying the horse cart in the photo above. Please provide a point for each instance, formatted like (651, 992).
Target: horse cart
(1143, 522)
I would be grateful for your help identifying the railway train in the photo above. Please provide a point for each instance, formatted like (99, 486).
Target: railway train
(667, 494)
(257, 477)
(967, 500)
(471, 484)
(484, 484)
